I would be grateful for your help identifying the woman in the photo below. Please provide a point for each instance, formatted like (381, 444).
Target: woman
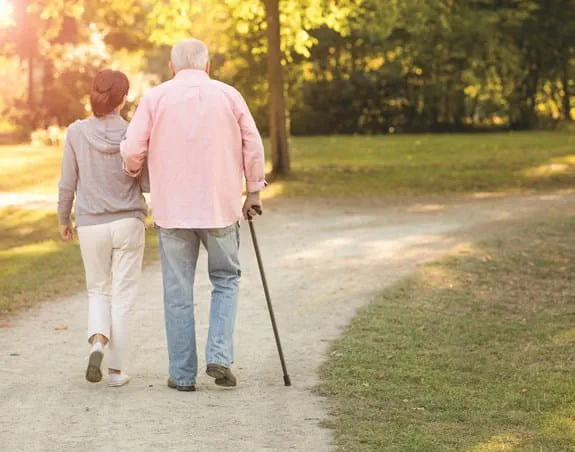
(110, 215)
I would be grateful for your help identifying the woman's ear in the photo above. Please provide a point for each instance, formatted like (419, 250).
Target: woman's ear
(171, 66)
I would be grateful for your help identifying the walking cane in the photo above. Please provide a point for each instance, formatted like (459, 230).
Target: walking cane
(258, 210)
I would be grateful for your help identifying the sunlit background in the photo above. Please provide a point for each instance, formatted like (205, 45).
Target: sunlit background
(6, 13)
(350, 67)
(384, 102)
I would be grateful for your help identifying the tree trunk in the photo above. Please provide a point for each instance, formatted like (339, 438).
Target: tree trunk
(523, 104)
(566, 90)
(278, 131)
(31, 96)
(473, 111)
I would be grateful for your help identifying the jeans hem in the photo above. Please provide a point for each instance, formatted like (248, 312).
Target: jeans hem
(220, 363)
(186, 383)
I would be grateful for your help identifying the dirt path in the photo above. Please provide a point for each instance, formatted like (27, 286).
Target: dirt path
(323, 259)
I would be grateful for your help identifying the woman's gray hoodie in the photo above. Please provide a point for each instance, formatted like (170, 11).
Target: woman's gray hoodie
(92, 171)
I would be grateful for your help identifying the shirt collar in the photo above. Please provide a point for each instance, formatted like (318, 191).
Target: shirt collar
(191, 74)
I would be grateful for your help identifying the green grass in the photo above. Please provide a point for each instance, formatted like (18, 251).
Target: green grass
(473, 352)
(427, 164)
(35, 264)
(29, 168)
(375, 166)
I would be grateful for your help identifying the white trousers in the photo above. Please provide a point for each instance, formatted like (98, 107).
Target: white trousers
(112, 255)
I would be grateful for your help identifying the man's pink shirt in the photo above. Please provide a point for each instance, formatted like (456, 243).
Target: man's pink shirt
(200, 140)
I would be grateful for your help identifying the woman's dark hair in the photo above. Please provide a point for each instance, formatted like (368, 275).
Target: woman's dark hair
(108, 91)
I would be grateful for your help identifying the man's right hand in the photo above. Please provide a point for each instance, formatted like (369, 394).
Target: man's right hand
(252, 199)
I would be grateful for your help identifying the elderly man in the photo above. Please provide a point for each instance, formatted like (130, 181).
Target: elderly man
(199, 139)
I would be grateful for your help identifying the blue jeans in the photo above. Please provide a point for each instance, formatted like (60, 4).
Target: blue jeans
(179, 253)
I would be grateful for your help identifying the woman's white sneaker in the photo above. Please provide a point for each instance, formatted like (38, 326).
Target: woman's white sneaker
(116, 380)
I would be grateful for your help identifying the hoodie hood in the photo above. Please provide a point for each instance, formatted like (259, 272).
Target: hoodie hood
(104, 134)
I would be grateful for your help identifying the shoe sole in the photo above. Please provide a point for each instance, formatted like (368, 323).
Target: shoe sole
(93, 372)
(220, 377)
(120, 383)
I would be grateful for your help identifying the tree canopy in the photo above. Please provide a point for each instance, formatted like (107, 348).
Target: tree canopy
(351, 66)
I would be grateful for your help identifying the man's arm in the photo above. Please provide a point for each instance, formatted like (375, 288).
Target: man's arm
(253, 159)
(134, 148)
(252, 148)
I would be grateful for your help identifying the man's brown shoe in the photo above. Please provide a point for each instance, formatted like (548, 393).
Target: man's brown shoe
(173, 385)
(223, 375)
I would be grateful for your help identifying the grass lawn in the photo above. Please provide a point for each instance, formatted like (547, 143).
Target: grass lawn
(375, 166)
(35, 264)
(29, 168)
(427, 164)
(473, 352)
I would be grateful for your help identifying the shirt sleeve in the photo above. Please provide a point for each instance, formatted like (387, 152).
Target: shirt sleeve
(68, 181)
(134, 148)
(252, 148)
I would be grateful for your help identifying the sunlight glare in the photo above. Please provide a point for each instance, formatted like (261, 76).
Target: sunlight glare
(6, 11)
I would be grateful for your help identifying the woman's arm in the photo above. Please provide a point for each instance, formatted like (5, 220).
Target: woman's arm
(144, 179)
(67, 186)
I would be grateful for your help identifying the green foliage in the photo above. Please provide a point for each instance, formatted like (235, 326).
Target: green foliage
(446, 65)
(235, 33)
(60, 45)
(352, 66)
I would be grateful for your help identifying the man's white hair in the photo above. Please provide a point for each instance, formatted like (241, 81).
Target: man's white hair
(189, 54)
